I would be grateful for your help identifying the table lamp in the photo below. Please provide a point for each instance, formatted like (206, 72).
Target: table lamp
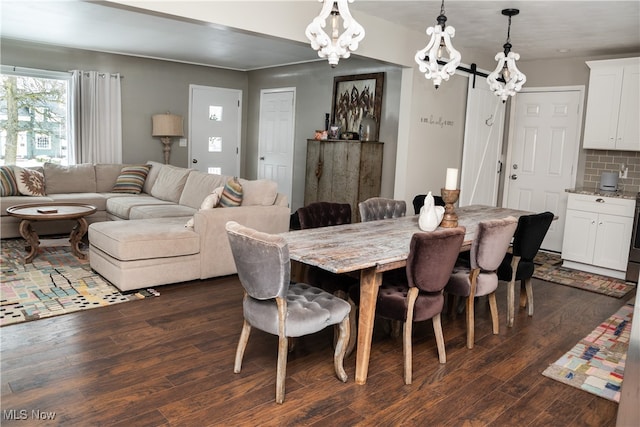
(166, 126)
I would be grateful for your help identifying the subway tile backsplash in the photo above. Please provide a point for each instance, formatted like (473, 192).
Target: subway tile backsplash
(599, 161)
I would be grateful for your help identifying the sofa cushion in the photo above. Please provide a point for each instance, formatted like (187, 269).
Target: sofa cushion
(30, 181)
(120, 206)
(198, 186)
(106, 175)
(170, 183)
(99, 200)
(131, 179)
(8, 184)
(69, 179)
(231, 194)
(260, 192)
(7, 202)
(152, 176)
(160, 211)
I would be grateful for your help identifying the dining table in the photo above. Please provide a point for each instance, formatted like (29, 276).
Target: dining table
(369, 249)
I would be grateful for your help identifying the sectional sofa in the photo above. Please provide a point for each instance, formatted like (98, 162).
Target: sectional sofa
(167, 233)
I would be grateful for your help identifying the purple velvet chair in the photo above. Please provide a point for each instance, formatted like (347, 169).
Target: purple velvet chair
(417, 296)
(490, 244)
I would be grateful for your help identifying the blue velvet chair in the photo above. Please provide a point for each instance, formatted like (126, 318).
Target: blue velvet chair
(377, 208)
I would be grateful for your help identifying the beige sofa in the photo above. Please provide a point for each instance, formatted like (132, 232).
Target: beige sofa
(142, 240)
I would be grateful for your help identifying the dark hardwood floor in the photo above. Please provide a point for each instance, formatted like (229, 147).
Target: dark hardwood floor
(168, 361)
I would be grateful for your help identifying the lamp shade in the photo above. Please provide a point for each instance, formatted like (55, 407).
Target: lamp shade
(167, 125)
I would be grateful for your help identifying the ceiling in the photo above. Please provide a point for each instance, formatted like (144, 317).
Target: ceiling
(543, 29)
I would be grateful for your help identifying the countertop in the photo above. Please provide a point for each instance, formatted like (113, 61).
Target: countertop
(597, 192)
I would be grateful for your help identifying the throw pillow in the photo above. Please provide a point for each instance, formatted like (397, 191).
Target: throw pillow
(131, 179)
(8, 184)
(212, 200)
(30, 181)
(231, 194)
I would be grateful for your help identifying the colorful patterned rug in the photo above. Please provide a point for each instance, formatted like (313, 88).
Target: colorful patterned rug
(55, 283)
(596, 363)
(549, 268)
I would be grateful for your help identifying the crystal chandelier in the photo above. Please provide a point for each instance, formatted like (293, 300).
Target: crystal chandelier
(430, 60)
(512, 77)
(336, 45)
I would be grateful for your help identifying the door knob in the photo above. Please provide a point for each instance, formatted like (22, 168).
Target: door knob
(262, 158)
(514, 177)
(194, 161)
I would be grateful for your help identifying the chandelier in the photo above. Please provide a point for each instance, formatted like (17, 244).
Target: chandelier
(512, 79)
(335, 46)
(430, 59)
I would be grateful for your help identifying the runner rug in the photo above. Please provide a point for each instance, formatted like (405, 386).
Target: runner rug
(596, 363)
(55, 283)
(549, 268)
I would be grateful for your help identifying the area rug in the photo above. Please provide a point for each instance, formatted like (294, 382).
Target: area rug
(596, 363)
(55, 283)
(549, 268)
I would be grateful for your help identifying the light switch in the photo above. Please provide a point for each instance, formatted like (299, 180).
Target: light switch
(183, 142)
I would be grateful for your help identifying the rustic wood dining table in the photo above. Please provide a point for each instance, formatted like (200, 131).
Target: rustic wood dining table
(371, 248)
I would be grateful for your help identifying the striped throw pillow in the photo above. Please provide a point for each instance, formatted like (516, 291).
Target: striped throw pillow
(8, 184)
(231, 194)
(131, 179)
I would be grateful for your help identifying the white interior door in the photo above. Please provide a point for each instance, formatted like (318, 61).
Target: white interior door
(481, 155)
(542, 156)
(276, 131)
(215, 116)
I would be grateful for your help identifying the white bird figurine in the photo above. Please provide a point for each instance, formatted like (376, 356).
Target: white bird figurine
(430, 214)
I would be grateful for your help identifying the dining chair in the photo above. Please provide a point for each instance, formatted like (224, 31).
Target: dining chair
(518, 264)
(418, 202)
(419, 296)
(274, 305)
(376, 208)
(479, 277)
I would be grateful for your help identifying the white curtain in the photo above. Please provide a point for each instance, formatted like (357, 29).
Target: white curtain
(96, 117)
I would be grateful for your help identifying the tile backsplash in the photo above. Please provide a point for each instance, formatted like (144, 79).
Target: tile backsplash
(599, 161)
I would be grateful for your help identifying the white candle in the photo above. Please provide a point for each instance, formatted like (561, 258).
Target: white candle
(452, 179)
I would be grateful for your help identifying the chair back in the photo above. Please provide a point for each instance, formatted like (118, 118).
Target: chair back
(432, 256)
(418, 202)
(377, 208)
(530, 233)
(491, 242)
(324, 214)
(262, 261)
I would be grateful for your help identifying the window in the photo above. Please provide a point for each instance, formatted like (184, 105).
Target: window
(34, 117)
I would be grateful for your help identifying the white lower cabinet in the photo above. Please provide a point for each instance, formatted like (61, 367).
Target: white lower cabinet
(597, 234)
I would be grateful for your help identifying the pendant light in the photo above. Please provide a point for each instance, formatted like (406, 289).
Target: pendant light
(337, 45)
(430, 59)
(512, 78)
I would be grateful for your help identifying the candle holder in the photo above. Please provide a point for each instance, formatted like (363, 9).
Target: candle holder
(450, 218)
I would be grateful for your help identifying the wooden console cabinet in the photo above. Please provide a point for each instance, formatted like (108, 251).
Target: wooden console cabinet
(343, 171)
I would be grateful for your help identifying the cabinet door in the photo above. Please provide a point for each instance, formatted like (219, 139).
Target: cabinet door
(613, 240)
(579, 236)
(603, 103)
(628, 136)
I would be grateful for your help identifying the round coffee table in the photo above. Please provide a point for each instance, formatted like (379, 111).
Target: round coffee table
(52, 212)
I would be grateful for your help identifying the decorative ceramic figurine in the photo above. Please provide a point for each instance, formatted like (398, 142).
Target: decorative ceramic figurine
(430, 214)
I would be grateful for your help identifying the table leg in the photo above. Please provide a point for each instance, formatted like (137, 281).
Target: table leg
(28, 233)
(370, 281)
(76, 236)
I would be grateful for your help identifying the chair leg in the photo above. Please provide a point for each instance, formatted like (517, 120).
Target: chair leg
(511, 298)
(437, 330)
(283, 349)
(341, 349)
(523, 295)
(242, 345)
(407, 335)
(353, 324)
(529, 288)
(494, 313)
(473, 278)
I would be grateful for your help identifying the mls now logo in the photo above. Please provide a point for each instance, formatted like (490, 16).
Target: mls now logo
(23, 414)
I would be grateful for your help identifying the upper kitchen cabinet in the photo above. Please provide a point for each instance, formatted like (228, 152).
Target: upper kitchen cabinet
(613, 105)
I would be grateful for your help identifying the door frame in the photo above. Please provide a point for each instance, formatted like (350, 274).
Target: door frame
(511, 130)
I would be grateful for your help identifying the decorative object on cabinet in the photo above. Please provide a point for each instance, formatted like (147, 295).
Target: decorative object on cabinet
(343, 171)
(334, 46)
(368, 128)
(597, 234)
(430, 59)
(506, 68)
(613, 105)
(356, 96)
(165, 126)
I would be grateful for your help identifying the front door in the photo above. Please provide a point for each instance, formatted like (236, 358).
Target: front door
(214, 129)
(542, 155)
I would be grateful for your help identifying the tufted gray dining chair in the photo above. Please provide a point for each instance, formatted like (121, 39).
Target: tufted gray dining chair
(377, 208)
(274, 305)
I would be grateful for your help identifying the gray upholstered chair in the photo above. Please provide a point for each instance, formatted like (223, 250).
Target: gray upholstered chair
(377, 208)
(490, 244)
(418, 295)
(274, 305)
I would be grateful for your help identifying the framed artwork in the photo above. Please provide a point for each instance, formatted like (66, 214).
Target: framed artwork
(354, 97)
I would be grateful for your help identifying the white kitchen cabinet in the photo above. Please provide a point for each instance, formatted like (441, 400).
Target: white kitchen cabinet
(613, 105)
(597, 234)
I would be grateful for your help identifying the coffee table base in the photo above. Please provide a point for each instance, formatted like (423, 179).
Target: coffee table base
(75, 238)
